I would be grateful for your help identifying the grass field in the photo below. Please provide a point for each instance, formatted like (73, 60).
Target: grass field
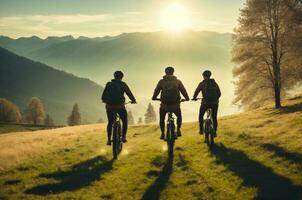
(8, 128)
(258, 155)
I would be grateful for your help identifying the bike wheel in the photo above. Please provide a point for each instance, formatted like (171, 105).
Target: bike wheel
(115, 141)
(211, 135)
(120, 143)
(170, 139)
(206, 131)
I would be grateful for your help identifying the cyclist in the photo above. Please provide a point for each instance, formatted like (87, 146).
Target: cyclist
(170, 88)
(113, 96)
(210, 99)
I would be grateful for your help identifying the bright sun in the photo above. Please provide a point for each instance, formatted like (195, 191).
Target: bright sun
(175, 18)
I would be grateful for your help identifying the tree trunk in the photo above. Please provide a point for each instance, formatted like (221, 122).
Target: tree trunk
(277, 91)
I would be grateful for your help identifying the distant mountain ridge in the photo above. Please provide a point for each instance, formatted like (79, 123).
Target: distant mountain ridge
(142, 56)
(21, 78)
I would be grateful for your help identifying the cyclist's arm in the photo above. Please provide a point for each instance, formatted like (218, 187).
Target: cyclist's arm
(104, 93)
(218, 89)
(183, 91)
(129, 93)
(157, 90)
(197, 91)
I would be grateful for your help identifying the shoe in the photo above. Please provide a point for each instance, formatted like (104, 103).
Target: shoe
(108, 143)
(124, 140)
(201, 132)
(178, 133)
(162, 137)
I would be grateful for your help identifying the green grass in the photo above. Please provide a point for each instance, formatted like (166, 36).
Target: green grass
(258, 155)
(8, 128)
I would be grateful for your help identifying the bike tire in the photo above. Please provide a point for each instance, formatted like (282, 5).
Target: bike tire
(115, 141)
(120, 143)
(206, 131)
(211, 135)
(170, 139)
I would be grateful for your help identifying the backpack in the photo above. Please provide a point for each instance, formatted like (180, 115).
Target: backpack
(115, 93)
(170, 92)
(211, 92)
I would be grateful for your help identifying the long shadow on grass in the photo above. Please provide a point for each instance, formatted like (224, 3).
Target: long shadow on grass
(269, 184)
(281, 152)
(288, 109)
(153, 192)
(80, 175)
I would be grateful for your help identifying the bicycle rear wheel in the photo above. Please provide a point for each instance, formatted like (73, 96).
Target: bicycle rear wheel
(211, 135)
(206, 131)
(115, 140)
(170, 139)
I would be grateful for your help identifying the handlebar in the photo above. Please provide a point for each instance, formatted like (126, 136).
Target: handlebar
(130, 102)
(182, 100)
(196, 99)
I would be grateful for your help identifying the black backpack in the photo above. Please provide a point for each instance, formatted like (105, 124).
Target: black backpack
(115, 93)
(170, 92)
(211, 93)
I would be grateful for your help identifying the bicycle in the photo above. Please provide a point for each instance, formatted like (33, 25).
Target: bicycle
(170, 132)
(208, 126)
(117, 143)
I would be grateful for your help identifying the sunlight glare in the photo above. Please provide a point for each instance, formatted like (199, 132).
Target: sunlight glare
(175, 18)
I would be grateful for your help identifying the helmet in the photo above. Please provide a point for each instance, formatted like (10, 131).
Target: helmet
(118, 75)
(169, 70)
(207, 73)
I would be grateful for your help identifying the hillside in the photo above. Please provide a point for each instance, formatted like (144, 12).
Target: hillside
(258, 155)
(21, 78)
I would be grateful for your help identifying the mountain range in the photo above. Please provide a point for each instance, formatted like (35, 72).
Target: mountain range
(141, 56)
(21, 79)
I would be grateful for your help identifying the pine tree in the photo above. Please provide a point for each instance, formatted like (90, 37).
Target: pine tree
(9, 112)
(48, 121)
(34, 113)
(130, 118)
(150, 115)
(75, 116)
(140, 120)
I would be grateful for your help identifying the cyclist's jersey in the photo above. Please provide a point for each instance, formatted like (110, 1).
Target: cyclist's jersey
(202, 87)
(125, 89)
(180, 89)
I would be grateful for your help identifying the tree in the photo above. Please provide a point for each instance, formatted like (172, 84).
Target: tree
(9, 112)
(140, 120)
(265, 51)
(34, 113)
(130, 118)
(48, 121)
(75, 116)
(150, 115)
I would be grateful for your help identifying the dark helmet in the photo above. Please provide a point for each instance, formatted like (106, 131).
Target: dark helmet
(207, 73)
(169, 70)
(118, 75)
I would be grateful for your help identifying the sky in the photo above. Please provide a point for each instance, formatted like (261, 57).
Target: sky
(96, 18)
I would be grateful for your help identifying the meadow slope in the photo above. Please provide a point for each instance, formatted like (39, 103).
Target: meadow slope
(258, 155)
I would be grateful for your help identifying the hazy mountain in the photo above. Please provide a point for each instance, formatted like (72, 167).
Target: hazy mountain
(25, 45)
(21, 78)
(143, 57)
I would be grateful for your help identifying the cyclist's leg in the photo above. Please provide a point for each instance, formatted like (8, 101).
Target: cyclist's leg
(177, 112)
(202, 110)
(110, 117)
(162, 116)
(214, 115)
(124, 117)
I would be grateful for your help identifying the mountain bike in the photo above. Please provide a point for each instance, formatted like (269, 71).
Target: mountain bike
(171, 135)
(117, 143)
(208, 126)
